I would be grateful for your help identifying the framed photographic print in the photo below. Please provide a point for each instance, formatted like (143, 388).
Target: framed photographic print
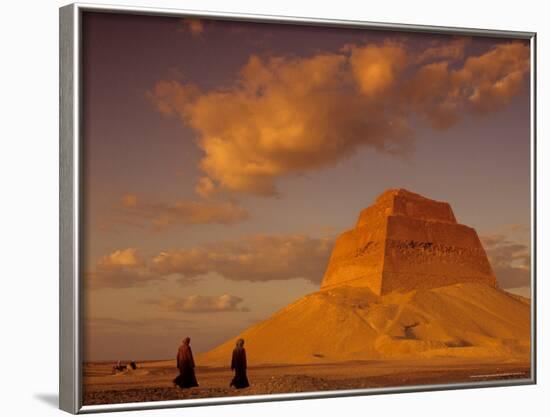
(259, 208)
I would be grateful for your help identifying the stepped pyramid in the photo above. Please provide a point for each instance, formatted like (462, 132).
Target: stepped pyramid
(405, 241)
(407, 282)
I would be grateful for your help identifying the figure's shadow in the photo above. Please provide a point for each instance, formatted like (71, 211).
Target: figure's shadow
(50, 399)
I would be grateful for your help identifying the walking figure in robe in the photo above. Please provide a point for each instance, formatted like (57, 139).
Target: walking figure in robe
(186, 366)
(238, 364)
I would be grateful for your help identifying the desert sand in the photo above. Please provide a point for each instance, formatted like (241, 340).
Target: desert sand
(152, 381)
(350, 323)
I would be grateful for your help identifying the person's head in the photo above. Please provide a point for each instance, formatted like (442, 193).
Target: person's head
(240, 343)
(187, 340)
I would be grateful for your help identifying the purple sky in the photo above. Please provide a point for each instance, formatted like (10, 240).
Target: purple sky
(289, 147)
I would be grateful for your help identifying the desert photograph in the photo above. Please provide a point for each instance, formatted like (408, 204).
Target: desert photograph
(281, 208)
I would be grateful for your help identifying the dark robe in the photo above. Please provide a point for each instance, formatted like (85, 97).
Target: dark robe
(186, 366)
(238, 364)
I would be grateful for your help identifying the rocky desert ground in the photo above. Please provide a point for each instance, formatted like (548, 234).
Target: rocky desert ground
(152, 381)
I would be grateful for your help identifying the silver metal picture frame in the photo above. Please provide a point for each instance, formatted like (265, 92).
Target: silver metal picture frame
(71, 205)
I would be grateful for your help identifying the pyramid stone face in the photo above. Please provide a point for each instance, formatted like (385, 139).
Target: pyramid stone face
(405, 241)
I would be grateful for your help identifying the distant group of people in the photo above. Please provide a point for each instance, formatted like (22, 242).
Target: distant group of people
(186, 366)
(119, 367)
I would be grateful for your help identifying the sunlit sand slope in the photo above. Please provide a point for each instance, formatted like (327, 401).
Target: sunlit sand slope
(350, 323)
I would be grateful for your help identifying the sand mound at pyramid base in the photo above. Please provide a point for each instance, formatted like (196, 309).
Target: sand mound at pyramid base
(345, 323)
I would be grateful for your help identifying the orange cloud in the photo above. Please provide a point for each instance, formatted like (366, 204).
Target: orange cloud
(428, 94)
(283, 116)
(171, 98)
(129, 200)
(161, 216)
(205, 187)
(452, 51)
(289, 115)
(494, 77)
(376, 68)
(194, 26)
(121, 258)
(442, 94)
(254, 258)
(200, 304)
(121, 269)
(511, 260)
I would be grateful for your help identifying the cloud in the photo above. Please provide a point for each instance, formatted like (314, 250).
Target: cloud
(284, 115)
(129, 200)
(511, 260)
(287, 115)
(254, 258)
(194, 26)
(205, 187)
(121, 269)
(451, 50)
(161, 216)
(376, 67)
(441, 93)
(494, 77)
(200, 304)
(126, 258)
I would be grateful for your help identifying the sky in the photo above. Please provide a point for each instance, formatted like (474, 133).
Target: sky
(222, 158)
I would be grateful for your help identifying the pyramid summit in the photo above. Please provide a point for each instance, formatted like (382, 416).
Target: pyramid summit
(405, 241)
